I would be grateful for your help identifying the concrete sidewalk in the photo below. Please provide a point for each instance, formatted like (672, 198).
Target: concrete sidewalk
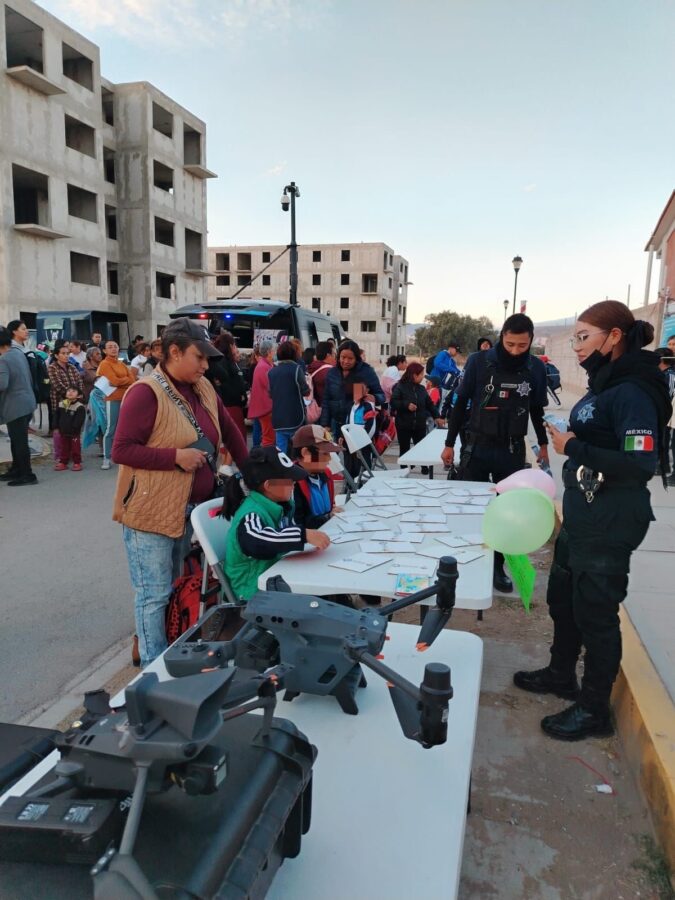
(644, 696)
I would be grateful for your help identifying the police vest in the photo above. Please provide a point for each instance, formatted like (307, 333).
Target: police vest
(502, 403)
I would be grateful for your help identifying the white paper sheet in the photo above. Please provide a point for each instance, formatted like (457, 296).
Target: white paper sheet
(452, 540)
(360, 526)
(360, 563)
(345, 538)
(434, 551)
(438, 518)
(387, 547)
(425, 527)
(418, 502)
(387, 513)
(416, 566)
(466, 556)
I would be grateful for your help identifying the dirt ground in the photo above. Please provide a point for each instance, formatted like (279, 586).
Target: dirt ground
(538, 828)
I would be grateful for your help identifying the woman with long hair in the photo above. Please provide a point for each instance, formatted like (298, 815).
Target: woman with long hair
(412, 406)
(228, 380)
(614, 440)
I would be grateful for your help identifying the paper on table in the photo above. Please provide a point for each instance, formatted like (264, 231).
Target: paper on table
(425, 527)
(471, 510)
(451, 510)
(345, 538)
(466, 556)
(434, 551)
(387, 547)
(360, 525)
(439, 518)
(474, 540)
(413, 537)
(381, 535)
(452, 540)
(385, 513)
(480, 501)
(417, 502)
(360, 563)
(417, 565)
(461, 492)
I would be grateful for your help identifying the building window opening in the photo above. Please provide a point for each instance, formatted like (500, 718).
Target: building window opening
(369, 284)
(316, 278)
(113, 284)
(316, 303)
(316, 256)
(243, 262)
(384, 308)
(345, 255)
(78, 67)
(193, 249)
(165, 285)
(164, 232)
(344, 278)
(222, 280)
(344, 325)
(108, 106)
(266, 280)
(109, 165)
(223, 262)
(344, 302)
(24, 41)
(31, 197)
(368, 326)
(111, 223)
(82, 204)
(266, 256)
(242, 280)
(162, 177)
(162, 120)
(192, 146)
(80, 137)
(84, 269)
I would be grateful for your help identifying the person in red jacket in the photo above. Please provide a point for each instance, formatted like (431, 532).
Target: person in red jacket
(260, 401)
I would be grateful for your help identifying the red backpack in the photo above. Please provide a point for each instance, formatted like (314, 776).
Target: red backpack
(182, 611)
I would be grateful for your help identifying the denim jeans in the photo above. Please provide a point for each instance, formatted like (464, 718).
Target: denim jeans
(155, 561)
(112, 412)
(256, 434)
(283, 438)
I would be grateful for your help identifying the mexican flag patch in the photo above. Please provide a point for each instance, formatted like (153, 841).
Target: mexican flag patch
(638, 442)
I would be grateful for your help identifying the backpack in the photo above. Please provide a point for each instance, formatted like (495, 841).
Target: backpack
(39, 376)
(182, 611)
(312, 408)
(553, 377)
(451, 381)
(431, 362)
(385, 434)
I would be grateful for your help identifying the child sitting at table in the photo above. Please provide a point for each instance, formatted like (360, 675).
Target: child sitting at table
(314, 494)
(262, 530)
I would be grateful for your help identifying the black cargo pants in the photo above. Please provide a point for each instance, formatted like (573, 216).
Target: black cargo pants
(588, 581)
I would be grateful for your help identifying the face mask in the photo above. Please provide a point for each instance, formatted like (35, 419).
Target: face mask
(595, 361)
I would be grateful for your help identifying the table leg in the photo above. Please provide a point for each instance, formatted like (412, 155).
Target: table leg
(479, 615)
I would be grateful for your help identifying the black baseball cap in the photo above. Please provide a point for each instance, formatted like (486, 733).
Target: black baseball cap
(455, 346)
(197, 333)
(268, 462)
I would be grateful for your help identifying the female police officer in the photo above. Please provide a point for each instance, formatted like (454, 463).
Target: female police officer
(612, 450)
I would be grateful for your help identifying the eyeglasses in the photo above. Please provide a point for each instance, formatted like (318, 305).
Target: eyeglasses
(578, 339)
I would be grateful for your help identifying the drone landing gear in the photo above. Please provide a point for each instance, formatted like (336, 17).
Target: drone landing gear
(344, 692)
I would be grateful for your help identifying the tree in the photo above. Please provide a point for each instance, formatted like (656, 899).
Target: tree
(447, 326)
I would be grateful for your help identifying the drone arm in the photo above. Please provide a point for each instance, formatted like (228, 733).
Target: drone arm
(411, 599)
(135, 810)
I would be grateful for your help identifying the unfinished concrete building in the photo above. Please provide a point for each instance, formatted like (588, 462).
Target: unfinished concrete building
(363, 286)
(102, 186)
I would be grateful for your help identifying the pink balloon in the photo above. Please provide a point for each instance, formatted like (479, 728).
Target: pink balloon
(528, 478)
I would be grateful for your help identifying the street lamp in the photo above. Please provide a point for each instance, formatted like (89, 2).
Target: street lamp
(506, 308)
(517, 263)
(291, 191)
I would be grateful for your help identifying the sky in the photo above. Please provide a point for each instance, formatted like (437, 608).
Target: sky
(459, 132)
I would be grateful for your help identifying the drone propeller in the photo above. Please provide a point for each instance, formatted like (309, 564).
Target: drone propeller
(434, 622)
(407, 710)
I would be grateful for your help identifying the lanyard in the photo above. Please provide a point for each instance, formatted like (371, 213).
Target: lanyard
(179, 401)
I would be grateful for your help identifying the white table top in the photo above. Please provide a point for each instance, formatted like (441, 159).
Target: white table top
(388, 817)
(311, 573)
(428, 451)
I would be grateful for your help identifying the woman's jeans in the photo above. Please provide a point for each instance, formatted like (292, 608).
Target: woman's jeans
(155, 561)
(284, 436)
(256, 434)
(112, 412)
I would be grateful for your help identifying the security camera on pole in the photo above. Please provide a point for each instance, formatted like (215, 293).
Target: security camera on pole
(291, 191)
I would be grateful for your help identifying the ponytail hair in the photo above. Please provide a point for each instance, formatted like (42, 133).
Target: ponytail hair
(233, 496)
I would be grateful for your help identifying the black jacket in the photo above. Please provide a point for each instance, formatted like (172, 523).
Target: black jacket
(287, 388)
(228, 380)
(338, 395)
(405, 393)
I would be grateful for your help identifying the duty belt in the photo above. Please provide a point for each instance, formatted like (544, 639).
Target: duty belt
(590, 482)
(513, 445)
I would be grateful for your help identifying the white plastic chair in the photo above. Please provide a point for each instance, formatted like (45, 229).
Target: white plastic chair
(357, 440)
(336, 466)
(211, 532)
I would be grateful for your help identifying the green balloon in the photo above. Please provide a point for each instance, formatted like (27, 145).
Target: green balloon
(519, 521)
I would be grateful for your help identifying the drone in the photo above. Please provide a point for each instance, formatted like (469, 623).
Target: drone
(324, 646)
(192, 756)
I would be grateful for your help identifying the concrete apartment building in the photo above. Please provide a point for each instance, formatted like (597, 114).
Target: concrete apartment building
(102, 186)
(363, 286)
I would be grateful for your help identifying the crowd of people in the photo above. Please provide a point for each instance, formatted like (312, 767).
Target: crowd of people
(174, 421)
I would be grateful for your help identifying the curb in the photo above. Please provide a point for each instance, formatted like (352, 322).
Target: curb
(645, 722)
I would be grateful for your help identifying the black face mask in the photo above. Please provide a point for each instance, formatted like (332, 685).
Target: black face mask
(509, 362)
(593, 363)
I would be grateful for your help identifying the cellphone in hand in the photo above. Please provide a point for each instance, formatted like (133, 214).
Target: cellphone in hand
(556, 421)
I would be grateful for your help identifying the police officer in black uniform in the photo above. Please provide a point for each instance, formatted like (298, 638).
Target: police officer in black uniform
(506, 387)
(612, 447)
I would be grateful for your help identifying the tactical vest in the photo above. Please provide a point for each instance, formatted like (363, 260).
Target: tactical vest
(502, 409)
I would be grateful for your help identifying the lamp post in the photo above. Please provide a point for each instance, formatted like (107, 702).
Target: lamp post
(506, 308)
(291, 191)
(517, 263)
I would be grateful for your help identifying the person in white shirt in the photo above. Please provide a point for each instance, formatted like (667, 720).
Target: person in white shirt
(77, 354)
(139, 361)
(396, 366)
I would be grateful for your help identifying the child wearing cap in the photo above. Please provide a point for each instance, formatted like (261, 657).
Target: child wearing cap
(314, 494)
(262, 529)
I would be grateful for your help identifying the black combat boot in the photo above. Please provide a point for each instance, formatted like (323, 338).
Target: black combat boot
(577, 722)
(500, 580)
(546, 681)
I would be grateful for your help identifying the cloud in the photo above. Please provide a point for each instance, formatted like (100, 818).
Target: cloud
(275, 170)
(529, 188)
(206, 21)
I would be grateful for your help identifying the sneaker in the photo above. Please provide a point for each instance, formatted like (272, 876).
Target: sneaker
(60, 467)
(106, 463)
(9, 475)
(19, 482)
(543, 681)
(77, 467)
